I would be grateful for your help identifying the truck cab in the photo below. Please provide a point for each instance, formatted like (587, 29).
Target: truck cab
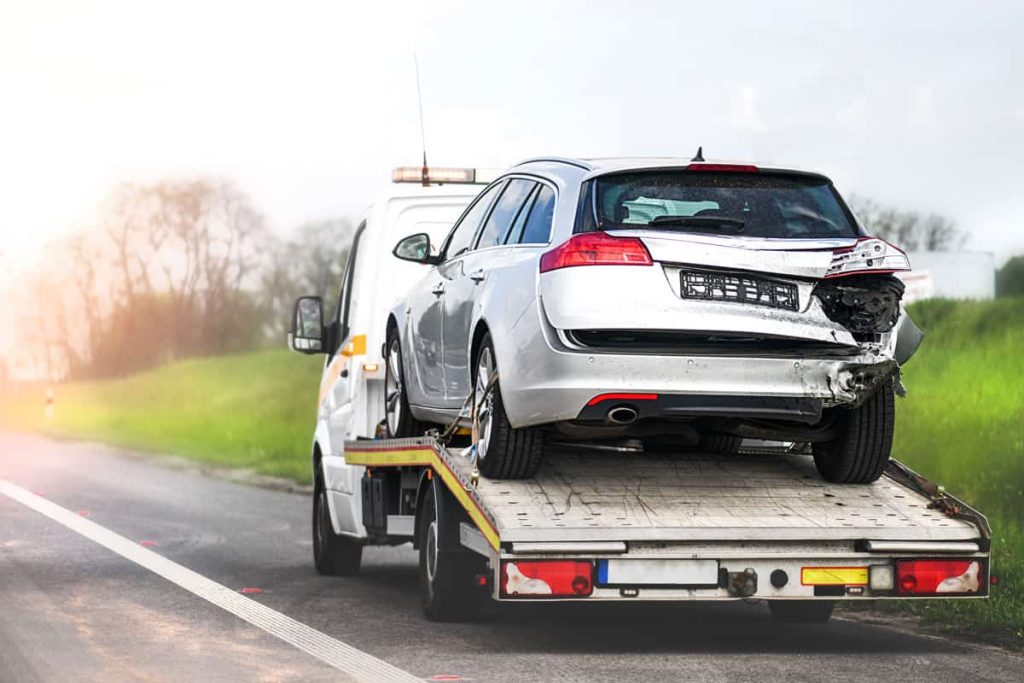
(350, 332)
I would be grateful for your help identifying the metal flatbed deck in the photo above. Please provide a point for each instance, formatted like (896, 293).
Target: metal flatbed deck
(586, 496)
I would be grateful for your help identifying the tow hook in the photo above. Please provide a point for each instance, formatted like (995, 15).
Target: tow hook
(742, 584)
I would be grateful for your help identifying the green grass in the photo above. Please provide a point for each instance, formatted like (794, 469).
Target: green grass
(254, 410)
(962, 424)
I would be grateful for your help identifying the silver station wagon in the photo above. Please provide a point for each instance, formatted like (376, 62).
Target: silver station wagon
(679, 302)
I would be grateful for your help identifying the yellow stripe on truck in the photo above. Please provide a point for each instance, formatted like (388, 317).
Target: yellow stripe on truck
(834, 576)
(427, 457)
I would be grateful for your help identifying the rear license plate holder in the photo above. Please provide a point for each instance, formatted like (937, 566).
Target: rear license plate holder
(658, 572)
(738, 288)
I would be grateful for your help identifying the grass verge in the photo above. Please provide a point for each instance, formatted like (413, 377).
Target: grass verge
(254, 410)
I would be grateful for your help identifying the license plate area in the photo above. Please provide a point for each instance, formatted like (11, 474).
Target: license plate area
(651, 572)
(746, 289)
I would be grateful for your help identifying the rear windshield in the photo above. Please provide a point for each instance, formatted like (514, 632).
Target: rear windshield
(748, 204)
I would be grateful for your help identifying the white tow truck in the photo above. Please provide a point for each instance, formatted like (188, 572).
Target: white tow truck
(596, 524)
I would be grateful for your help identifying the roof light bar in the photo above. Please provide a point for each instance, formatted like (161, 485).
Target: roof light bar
(434, 175)
(868, 255)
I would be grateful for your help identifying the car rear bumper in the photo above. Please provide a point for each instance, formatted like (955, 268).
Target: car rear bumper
(555, 383)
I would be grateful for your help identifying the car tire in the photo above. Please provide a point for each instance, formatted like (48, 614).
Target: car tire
(860, 452)
(448, 591)
(801, 611)
(504, 452)
(727, 444)
(333, 554)
(399, 421)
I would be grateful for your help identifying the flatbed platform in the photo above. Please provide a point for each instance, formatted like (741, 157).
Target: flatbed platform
(582, 496)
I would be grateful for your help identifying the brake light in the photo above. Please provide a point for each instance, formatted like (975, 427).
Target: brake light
(596, 249)
(727, 168)
(557, 578)
(931, 577)
(868, 255)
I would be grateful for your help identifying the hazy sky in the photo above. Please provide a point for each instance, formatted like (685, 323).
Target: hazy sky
(309, 104)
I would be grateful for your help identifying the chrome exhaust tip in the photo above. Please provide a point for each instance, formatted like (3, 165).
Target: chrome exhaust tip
(622, 415)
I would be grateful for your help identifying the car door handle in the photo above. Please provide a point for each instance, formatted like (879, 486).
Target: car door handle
(438, 289)
(477, 275)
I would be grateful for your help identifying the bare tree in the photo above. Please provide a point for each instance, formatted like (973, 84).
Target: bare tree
(908, 229)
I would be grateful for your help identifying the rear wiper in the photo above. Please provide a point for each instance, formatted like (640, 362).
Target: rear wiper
(698, 222)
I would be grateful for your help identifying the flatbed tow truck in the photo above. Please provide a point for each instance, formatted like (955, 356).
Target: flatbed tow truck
(671, 526)
(596, 523)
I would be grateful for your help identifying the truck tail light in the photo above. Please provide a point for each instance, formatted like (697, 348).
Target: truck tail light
(556, 578)
(596, 249)
(937, 577)
(868, 255)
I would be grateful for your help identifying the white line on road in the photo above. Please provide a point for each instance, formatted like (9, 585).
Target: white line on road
(350, 660)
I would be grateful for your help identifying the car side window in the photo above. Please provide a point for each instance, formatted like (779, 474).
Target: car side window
(538, 222)
(345, 294)
(506, 209)
(462, 235)
(516, 231)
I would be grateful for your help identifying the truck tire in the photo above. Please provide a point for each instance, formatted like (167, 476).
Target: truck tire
(398, 418)
(503, 452)
(860, 453)
(447, 577)
(333, 554)
(801, 611)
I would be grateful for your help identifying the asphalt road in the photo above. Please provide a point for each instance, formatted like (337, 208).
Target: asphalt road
(73, 610)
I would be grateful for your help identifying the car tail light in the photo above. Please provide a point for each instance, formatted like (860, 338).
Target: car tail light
(556, 578)
(868, 255)
(596, 249)
(728, 168)
(937, 577)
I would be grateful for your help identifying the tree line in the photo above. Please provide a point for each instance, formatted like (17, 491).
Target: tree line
(171, 270)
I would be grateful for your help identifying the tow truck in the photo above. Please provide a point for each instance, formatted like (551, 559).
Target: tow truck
(598, 523)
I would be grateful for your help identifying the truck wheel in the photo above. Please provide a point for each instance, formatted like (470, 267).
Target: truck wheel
(801, 611)
(333, 555)
(503, 452)
(727, 444)
(447, 589)
(398, 419)
(860, 453)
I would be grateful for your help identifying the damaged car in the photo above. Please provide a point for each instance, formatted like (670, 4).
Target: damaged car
(678, 302)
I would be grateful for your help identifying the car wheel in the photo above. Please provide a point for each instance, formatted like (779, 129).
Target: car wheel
(502, 452)
(801, 611)
(398, 419)
(333, 555)
(447, 587)
(720, 443)
(860, 453)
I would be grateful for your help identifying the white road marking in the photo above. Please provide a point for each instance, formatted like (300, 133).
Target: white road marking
(345, 658)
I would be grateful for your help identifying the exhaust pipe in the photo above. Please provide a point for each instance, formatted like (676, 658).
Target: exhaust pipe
(622, 415)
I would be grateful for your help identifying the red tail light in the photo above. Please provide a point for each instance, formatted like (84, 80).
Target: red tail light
(596, 249)
(937, 577)
(557, 578)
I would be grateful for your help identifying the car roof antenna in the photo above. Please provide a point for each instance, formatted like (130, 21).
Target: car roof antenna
(700, 154)
(423, 134)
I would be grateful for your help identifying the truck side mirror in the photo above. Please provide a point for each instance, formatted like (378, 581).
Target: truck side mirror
(415, 248)
(307, 335)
